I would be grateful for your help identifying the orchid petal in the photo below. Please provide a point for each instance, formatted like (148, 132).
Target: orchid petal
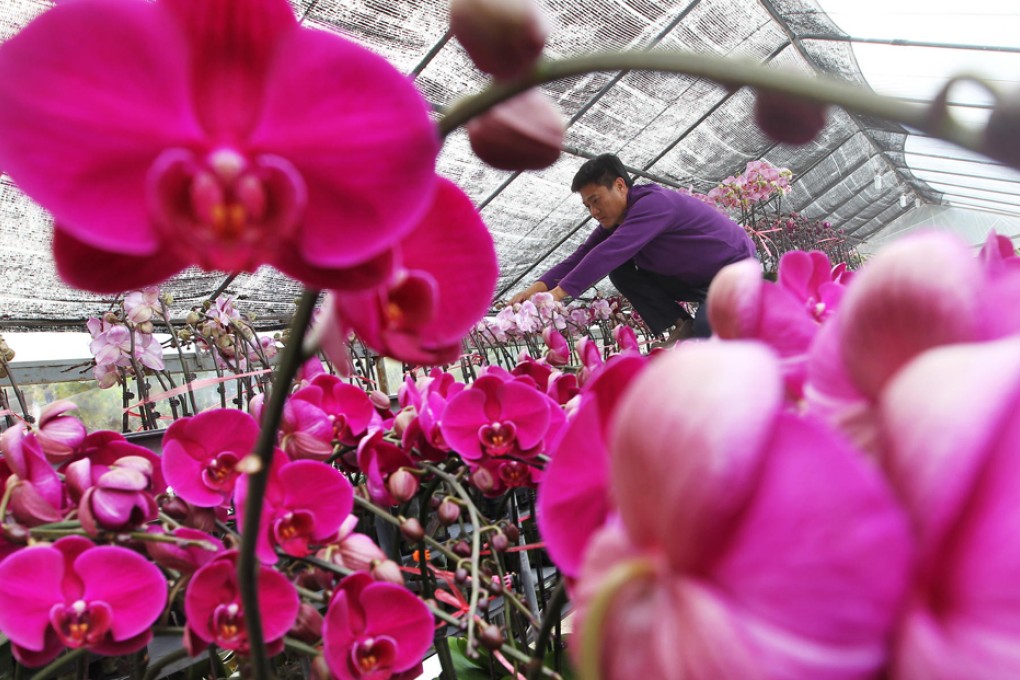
(133, 587)
(30, 584)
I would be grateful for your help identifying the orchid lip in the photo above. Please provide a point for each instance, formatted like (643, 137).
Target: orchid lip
(81, 623)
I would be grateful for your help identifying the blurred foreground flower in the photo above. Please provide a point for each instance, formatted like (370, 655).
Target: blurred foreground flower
(165, 134)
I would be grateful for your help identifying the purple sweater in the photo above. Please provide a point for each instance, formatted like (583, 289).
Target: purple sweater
(663, 231)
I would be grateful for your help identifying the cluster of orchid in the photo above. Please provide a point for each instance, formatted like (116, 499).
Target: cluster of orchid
(123, 343)
(220, 329)
(793, 231)
(832, 478)
(759, 182)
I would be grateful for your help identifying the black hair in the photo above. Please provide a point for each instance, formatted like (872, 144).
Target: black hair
(603, 169)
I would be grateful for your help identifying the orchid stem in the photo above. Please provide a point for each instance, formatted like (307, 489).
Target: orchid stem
(552, 614)
(591, 632)
(475, 550)
(54, 667)
(822, 89)
(247, 564)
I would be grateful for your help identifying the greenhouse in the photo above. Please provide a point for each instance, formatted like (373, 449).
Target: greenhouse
(605, 339)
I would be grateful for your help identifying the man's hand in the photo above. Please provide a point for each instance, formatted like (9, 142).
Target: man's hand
(558, 293)
(537, 287)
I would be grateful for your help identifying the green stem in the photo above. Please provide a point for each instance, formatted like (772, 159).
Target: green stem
(52, 669)
(591, 633)
(154, 669)
(247, 564)
(822, 89)
(431, 542)
(475, 550)
(300, 647)
(552, 614)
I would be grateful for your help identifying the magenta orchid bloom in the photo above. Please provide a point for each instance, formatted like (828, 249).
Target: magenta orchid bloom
(494, 418)
(201, 453)
(117, 498)
(305, 503)
(626, 339)
(350, 550)
(559, 351)
(374, 630)
(233, 131)
(349, 411)
(949, 420)
(39, 495)
(591, 358)
(573, 498)
(58, 433)
(215, 613)
(751, 534)
(442, 284)
(378, 459)
(73, 594)
(183, 558)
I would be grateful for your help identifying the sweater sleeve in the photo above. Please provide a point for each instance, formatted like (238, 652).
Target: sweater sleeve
(645, 219)
(553, 277)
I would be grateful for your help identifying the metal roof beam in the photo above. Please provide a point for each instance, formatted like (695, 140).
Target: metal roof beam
(965, 186)
(659, 179)
(978, 198)
(960, 174)
(898, 42)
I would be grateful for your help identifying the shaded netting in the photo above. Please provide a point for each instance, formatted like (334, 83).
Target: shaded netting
(682, 131)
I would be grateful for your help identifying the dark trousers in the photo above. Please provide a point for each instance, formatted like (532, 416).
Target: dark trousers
(654, 297)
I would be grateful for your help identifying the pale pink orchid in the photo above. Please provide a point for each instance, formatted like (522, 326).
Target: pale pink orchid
(201, 454)
(528, 318)
(502, 37)
(304, 504)
(112, 345)
(601, 309)
(374, 630)
(758, 544)
(141, 305)
(444, 274)
(233, 132)
(72, 594)
(948, 419)
(349, 550)
(215, 612)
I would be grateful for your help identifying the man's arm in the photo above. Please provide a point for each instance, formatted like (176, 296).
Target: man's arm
(550, 280)
(645, 220)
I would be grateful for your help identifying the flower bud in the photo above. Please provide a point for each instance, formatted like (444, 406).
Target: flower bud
(502, 37)
(462, 549)
(145, 327)
(193, 318)
(787, 119)
(308, 627)
(14, 533)
(402, 485)
(491, 637)
(379, 399)
(499, 541)
(495, 585)
(483, 480)
(403, 420)
(523, 133)
(412, 529)
(461, 575)
(512, 532)
(387, 570)
(448, 512)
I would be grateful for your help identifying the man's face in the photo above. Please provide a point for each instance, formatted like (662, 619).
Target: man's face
(606, 205)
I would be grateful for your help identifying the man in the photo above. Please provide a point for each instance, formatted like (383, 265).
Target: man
(657, 245)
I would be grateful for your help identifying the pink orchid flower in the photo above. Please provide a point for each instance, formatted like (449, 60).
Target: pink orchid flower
(183, 558)
(536, 373)
(350, 550)
(563, 387)
(233, 131)
(573, 498)
(118, 499)
(349, 410)
(626, 339)
(949, 420)
(495, 417)
(201, 453)
(919, 293)
(141, 305)
(559, 351)
(374, 630)
(378, 460)
(215, 613)
(58, 433)
(305, 503)
(442, 284)
(73, 594)
(38, 495)
(750, 534)
(591, 358)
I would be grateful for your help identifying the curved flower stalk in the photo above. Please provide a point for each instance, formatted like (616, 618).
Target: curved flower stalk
(233, 131)
(731, 552)
(74, 595)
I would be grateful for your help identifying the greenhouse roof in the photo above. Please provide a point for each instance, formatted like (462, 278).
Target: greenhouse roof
(860, 173)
